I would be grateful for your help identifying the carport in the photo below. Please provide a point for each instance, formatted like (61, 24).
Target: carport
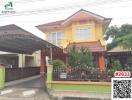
(17, 40)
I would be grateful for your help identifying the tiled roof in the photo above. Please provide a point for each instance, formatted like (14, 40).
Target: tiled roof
(119, 49)
(61, 21)
(53, 23)
(92, 46)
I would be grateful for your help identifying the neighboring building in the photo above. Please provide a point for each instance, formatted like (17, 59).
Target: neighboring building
(121, 54)
(23, 40)
(14, 60)
(83, 28)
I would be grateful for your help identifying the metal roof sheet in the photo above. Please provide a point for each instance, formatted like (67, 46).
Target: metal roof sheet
(17, 40)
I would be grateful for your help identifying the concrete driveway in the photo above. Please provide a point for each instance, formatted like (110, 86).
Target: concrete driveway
(28, 90)
(31, 90)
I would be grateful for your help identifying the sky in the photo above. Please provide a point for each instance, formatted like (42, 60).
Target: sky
(36, 12)
(30, 13)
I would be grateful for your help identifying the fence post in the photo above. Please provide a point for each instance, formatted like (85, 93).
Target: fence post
(2, 77)
(43, 64)
(49, 75)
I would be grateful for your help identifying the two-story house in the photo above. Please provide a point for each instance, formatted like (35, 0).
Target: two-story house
(83, 28)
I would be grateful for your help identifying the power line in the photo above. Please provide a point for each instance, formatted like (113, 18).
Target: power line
(116, 18)
(48, 11)
(27, 1)
(104, 1)
(42, 10)
(123, 18)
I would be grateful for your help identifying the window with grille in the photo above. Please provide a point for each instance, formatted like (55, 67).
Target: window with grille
(83, 33)
(55, 38)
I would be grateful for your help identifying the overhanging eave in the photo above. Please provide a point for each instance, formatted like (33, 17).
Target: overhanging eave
(17, 40)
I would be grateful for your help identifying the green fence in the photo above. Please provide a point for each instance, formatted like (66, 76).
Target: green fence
(2, 77)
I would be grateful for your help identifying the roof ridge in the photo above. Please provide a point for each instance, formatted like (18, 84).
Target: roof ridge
(58, 21)
(94, 46)
(84, 42)
(63, 21)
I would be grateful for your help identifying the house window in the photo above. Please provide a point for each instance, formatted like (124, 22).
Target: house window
(55, 38)
(83, 33)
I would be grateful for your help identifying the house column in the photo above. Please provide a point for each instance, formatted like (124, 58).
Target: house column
(21, 60)
(43, 63)
(101, 61)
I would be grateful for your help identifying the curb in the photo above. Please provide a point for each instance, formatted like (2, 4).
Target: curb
(65, 97)
(50, 95)
(8, 98)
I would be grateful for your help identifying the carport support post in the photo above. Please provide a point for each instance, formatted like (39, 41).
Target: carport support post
(51, 58)
(50, 70)
(21, 60)
(43, 64)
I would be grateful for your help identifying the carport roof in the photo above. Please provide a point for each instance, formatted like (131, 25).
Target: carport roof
(17, 40)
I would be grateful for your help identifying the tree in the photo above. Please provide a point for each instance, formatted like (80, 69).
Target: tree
(120, 35)
(112, 32)
(73, 57)
(82, 57)
(126, 41)
(89, 58)
(86, 58)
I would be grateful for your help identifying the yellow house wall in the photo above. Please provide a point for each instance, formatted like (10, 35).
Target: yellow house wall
(70, 31)
(90, 25)
(69, 36)
(99, 33)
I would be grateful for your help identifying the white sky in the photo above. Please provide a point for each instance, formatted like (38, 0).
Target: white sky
(52, 10)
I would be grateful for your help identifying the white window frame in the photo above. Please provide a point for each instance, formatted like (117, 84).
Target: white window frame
(55, 39)
(83, 36)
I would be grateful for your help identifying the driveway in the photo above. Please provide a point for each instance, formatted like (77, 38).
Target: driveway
(29, 90)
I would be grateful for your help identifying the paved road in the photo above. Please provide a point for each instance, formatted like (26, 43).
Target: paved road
(37, 86)
(35, 83)
(20, 91)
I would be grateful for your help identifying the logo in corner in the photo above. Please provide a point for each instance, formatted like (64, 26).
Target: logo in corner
(8, 6)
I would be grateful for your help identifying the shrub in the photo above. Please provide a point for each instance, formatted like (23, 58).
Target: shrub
(80, 57)
(116, 65)
(58, 64)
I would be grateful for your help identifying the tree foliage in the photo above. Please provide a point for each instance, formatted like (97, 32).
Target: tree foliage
(58, 64)
(121, 36)
(112, 32)
(116, 65)
(82, 57)
(73, 57)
